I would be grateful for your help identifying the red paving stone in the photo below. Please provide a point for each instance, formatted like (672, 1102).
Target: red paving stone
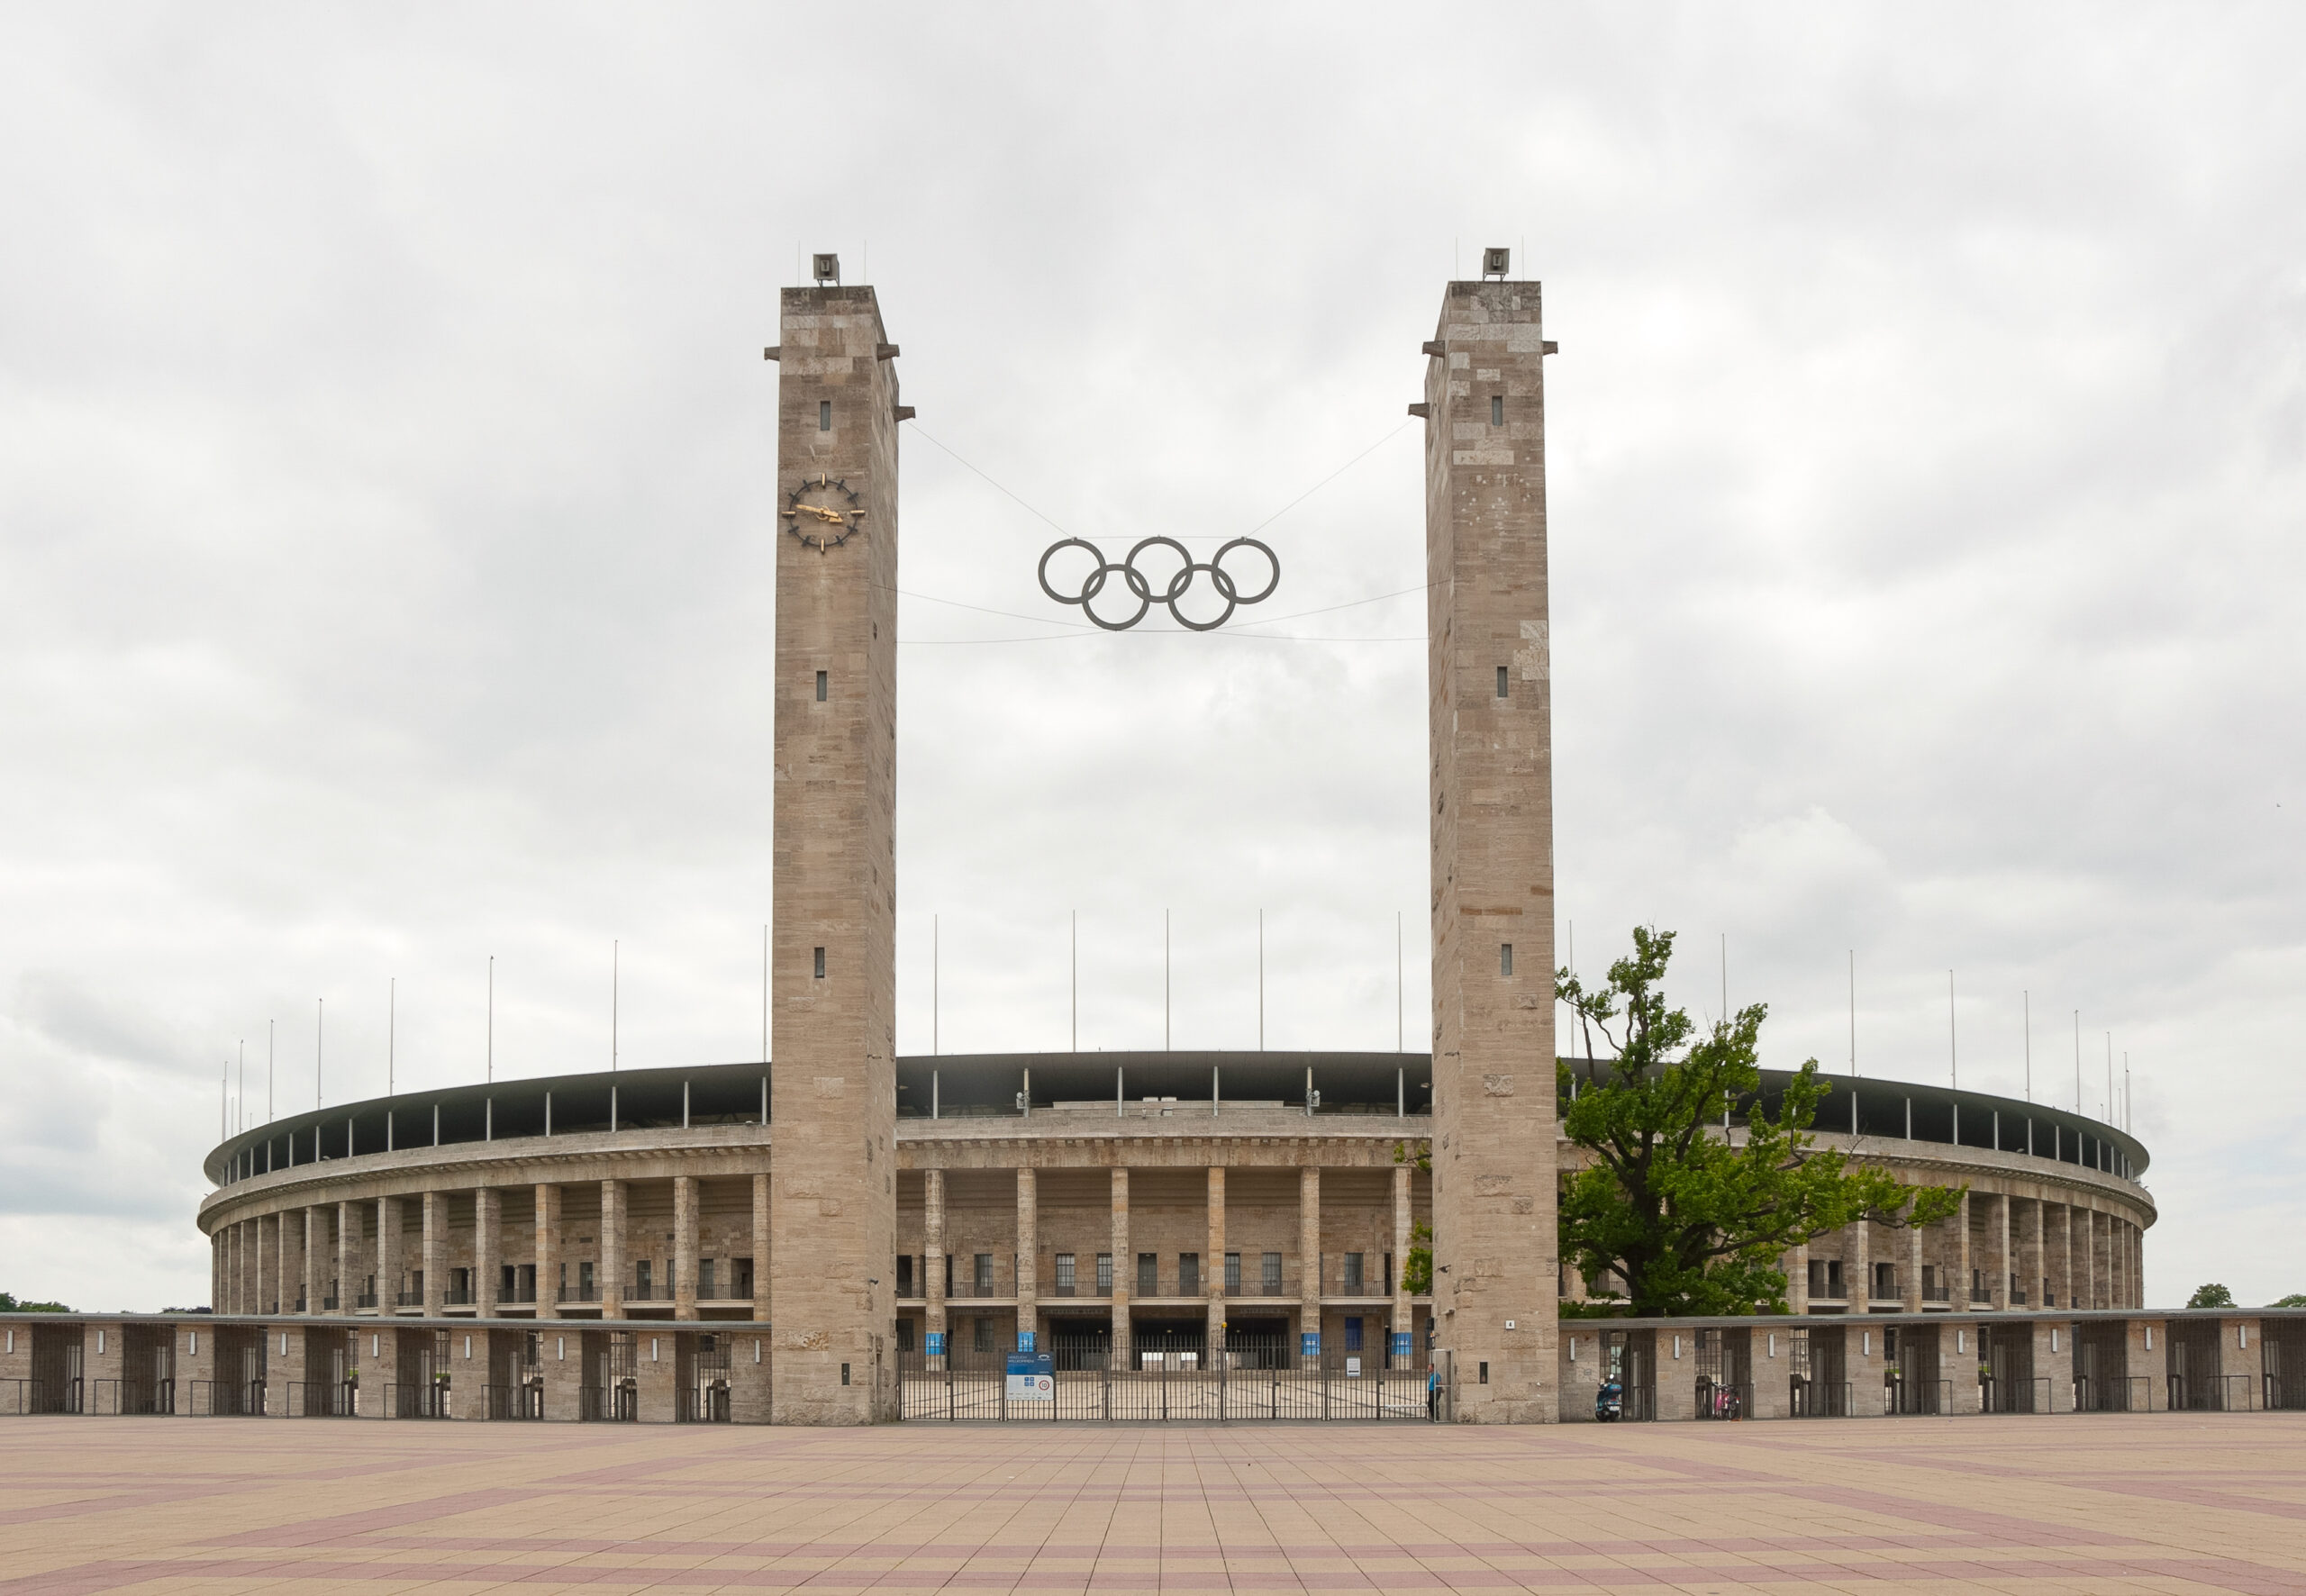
(2194, 1503)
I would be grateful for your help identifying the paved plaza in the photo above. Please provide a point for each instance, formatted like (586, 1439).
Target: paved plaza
(2162, 1503)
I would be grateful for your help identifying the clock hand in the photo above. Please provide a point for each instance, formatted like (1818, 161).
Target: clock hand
(820, 512)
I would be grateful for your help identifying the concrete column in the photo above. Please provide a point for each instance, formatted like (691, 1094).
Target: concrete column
(388, 1255)
(2054, 1361)
(216, 1270)
(434, 1246)
(1403, 1315)
(685, 1247)
(348, 1254)
(1959, 1357)
(2148, 1356)
(611, 1280)
(932, 1261)
(2067, 1295)
(261, 1268)
(2003, 1263)
(1864, 1358)
(1910, 1288)
(1309, 1251)
(314, 1244)
(288, 1231)
(1959, 1296)
(1797, 1280)
(1028, 1258)
(487, 1249)
(2137, 1280)
(1857, 1266)
(1213, 1272)
(547, 1242)
(1124, 1352)
(760, 1250)
(2029, 1253)
(2092, 1287)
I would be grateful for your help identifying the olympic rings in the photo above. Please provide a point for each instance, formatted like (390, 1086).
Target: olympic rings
(1141, 588)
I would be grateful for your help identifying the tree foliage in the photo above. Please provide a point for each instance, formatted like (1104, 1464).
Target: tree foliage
(2210, 1296)
(1690, 1221)
(2295, 1299)
(1417, 1269)
(8, 1304)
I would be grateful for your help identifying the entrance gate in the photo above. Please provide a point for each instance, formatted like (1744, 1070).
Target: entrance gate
(1242, 1383)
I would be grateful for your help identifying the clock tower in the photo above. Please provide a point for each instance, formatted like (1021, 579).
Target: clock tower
(1490, 703)
(832, 1205)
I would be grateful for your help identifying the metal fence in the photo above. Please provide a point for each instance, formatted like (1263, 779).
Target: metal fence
(1925, 1398)
(1178, 1387)
(524, 1401)
(1818, 1398)
(2031, 1395)
(324, 1399)
(1724, 1400)
(611, 1404)
(419, 1399)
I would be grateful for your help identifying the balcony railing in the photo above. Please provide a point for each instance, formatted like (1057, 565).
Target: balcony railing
(412, 1299)
(1936, 1294)
(457, 1299)
(519, 1293)
(328, 1304)
(366, 1300)
(580, 1293)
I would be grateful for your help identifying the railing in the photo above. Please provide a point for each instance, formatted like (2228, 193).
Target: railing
(610, 1404)
(329, 1304)
(2280, 1394)
(412, 1299)
(1937, 1293)
(2211, 1394)
(517, 1295)
(1717, 1399)
(324, 1399)
(1925, 1398)
(1981, 1294)
(525, 1401)
(458, 1299)
(300, 1303)
(2015, 1396)
(2112, 1394)
(580, 1293)
(112, 1397)
(1180, 1384)
(365, 1300)
(423, 1400)
(1815, 1399)
(965, 1291)
(707, 1406)
(227, 1398)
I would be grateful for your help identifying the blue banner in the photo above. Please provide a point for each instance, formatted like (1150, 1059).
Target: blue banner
(1024, 1340)
(1401, 1344)
(1310, 1343)
(935, 1342)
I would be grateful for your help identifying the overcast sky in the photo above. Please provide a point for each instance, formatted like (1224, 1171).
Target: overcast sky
(386, 528)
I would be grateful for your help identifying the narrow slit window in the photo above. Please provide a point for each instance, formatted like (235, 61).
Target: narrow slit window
(821, 962)
(825, 424)
(1501, 683)
(821, 685)
(1504, 959)
(1497, 410)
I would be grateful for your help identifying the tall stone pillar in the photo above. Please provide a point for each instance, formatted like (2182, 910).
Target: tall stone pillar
(1910, 1291)
(216, 1299)
(611, 1282)
(1124, 1354)
(1028, 1244)
(761, 1253)
(932, 1262)
(2030, 1269)
(388, 1254)
(1797, 1280)
(1958, 1298)
(1490, 708)
(684, 1247)
(1214, 1274)
(833, 971)
(1404, 1315)
(2069, 1283)
(1857, 1267)
(2003, 1267)
(349, 1252)
(315, 1243)
(263, 1268)
(1309, 1253)
(487, 1250)
(546, 1243)
(434, 1246)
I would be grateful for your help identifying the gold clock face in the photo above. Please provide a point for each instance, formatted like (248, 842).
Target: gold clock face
(823, 514)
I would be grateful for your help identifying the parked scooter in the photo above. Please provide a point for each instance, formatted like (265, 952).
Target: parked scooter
(1608, 1404)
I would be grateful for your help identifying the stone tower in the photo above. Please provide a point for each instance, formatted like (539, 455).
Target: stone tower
(832, 1224)
(1490, 698)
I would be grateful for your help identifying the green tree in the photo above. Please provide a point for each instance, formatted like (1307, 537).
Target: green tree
(1417, 1269)
(2210, 1296)
(2295, 1299)
(1691, 1221)
(8, 1304)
